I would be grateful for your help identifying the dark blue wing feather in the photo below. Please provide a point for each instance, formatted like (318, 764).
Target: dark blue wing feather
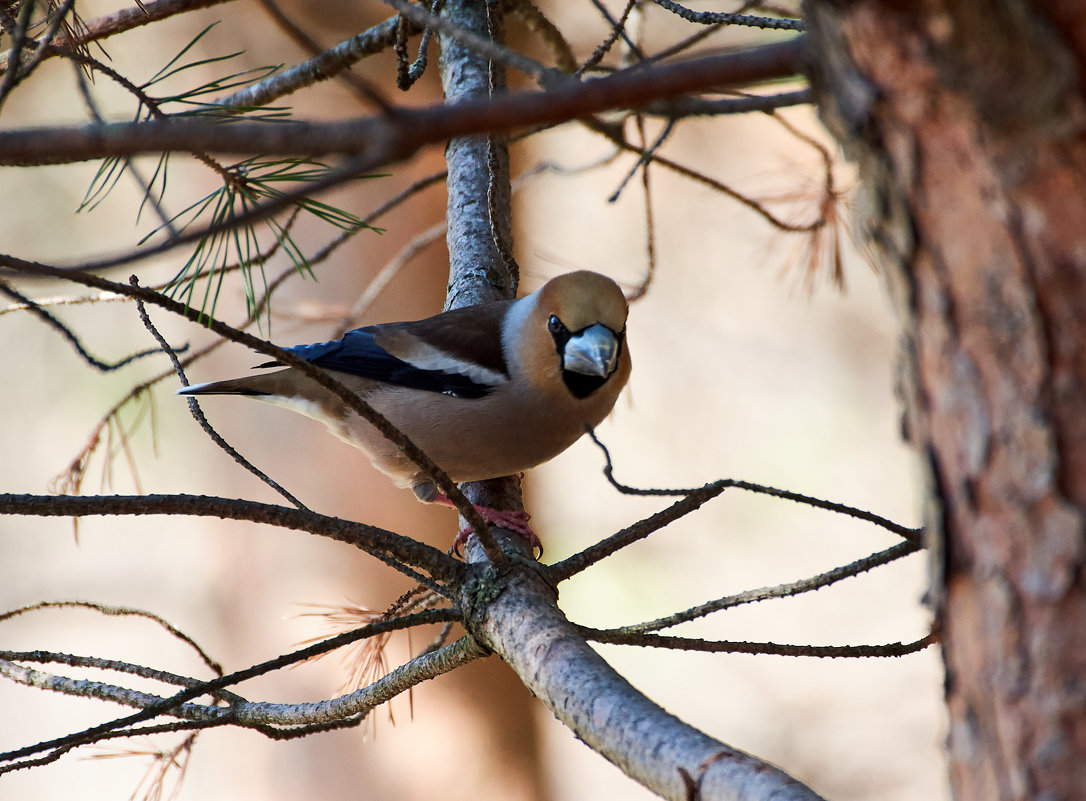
(357, 353)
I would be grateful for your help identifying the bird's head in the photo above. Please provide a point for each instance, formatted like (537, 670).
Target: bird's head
(579, 317)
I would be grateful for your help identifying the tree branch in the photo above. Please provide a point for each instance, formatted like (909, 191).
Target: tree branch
(325, 65)
(285, 357)
(777, 649)
(478, 209)
(383, 140)
(170, 705)
(360, 702)
(524, 625)
(791, 589)
(361, 535)
(238, 711)
(119, 611)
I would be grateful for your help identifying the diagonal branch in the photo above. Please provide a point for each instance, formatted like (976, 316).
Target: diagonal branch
(692, 501)
(169, 706)
(198, 413)
(360, 702)
(788, 590)
(326, 64)
(285, 357)
(119, 21)
(251, 714)
(550, 655)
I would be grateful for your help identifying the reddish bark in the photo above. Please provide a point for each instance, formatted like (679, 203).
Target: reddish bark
(968, 120)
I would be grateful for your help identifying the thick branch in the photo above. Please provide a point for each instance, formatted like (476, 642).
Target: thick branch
(381, 140)
(652, 746)
(479, 210)
(476, 270)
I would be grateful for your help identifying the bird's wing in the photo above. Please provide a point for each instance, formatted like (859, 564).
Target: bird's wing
(457, 352)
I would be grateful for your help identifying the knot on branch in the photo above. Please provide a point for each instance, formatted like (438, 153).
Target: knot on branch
(486, 583)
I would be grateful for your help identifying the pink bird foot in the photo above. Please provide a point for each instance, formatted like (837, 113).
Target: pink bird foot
(502, 518)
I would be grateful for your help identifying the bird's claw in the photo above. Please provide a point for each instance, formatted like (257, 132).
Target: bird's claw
(502, 518)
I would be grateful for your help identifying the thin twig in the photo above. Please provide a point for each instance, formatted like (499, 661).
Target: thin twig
(70, 336)
(198, 413)
(788, 590)
(423, 18)
(18, 45)
(118, 611)
(909, 534)
(618, 28)
(315, 69)
(285, 357)
(776, 649)
(650, 222)
(136, 731)
(715, 17)
(407, 74)
(685, 44)
(648, 153)
(614, 135)
(702, 107)
(170, 705)
(71, 479)
(59, 14)
(691, 501)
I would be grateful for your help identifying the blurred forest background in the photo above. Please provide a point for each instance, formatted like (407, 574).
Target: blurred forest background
(742, 368)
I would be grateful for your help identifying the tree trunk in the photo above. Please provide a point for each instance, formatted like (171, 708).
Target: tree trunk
(967, 120)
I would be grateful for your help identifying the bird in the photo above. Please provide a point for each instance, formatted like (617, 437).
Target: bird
(485, 391)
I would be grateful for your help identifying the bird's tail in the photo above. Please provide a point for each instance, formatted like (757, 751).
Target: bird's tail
(250, 385)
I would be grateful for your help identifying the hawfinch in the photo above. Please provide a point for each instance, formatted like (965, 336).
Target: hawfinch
(485, 391)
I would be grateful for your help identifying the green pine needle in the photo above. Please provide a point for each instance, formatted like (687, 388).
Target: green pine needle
(246, 185)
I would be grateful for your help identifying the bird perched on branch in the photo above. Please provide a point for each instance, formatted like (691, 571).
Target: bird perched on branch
(485, 391)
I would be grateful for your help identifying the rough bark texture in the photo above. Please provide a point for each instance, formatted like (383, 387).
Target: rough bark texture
(515, 614)
(479, 211)
(477, 270)
(967, 120)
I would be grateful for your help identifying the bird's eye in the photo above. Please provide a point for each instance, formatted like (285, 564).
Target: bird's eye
(554, 325)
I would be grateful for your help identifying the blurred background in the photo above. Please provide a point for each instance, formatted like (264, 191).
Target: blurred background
(741, 370)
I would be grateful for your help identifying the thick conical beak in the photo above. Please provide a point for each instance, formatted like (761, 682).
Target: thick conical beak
(593, 351)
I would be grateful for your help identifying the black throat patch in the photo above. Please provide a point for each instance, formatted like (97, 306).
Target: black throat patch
(579, 384)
